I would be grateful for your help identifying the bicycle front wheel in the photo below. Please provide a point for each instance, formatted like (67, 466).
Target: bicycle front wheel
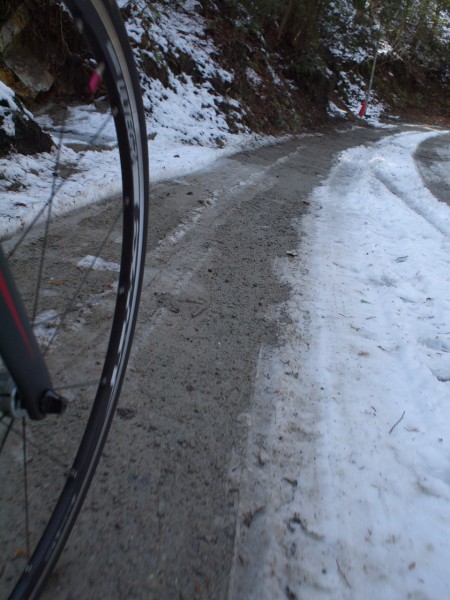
(80, 277)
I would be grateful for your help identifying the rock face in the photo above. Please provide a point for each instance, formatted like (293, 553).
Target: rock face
(28, 74)
(24, 74)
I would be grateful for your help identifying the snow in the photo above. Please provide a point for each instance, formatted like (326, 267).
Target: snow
(342, 33)
(335, 111)
(97, 263)
(356, 478)
(253, 76)
(7, 108)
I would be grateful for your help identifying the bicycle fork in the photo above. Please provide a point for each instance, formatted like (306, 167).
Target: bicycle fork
(27, 386)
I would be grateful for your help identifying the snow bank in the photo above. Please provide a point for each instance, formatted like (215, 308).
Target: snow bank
(356, 479)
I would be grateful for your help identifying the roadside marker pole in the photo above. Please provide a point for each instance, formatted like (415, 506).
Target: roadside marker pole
(362, 112)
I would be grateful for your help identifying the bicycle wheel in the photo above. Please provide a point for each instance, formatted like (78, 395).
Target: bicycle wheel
(80, 277)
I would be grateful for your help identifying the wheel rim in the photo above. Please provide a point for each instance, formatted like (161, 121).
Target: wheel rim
(84, 317)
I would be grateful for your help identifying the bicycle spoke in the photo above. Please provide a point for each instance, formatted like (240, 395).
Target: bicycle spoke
(43, 451)
(47, 225)
(91, 142)
(7, 432)
(57, 189)
(82, 283)
(25, 487)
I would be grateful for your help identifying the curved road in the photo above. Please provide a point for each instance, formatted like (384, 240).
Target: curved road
(160, 519)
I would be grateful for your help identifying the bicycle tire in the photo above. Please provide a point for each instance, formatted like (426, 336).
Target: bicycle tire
(101, 24)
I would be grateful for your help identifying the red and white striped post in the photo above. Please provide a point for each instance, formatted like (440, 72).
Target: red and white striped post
(362, 112)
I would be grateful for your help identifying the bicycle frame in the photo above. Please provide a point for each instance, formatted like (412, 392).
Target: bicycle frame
(19, 348)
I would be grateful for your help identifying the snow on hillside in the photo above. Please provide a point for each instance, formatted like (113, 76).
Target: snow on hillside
(185, 120)
(186, 103)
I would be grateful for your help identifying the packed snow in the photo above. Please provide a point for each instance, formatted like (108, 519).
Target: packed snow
(354, 492)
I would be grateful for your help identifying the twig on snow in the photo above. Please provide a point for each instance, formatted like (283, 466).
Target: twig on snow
(342, 574)
(395, 424)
